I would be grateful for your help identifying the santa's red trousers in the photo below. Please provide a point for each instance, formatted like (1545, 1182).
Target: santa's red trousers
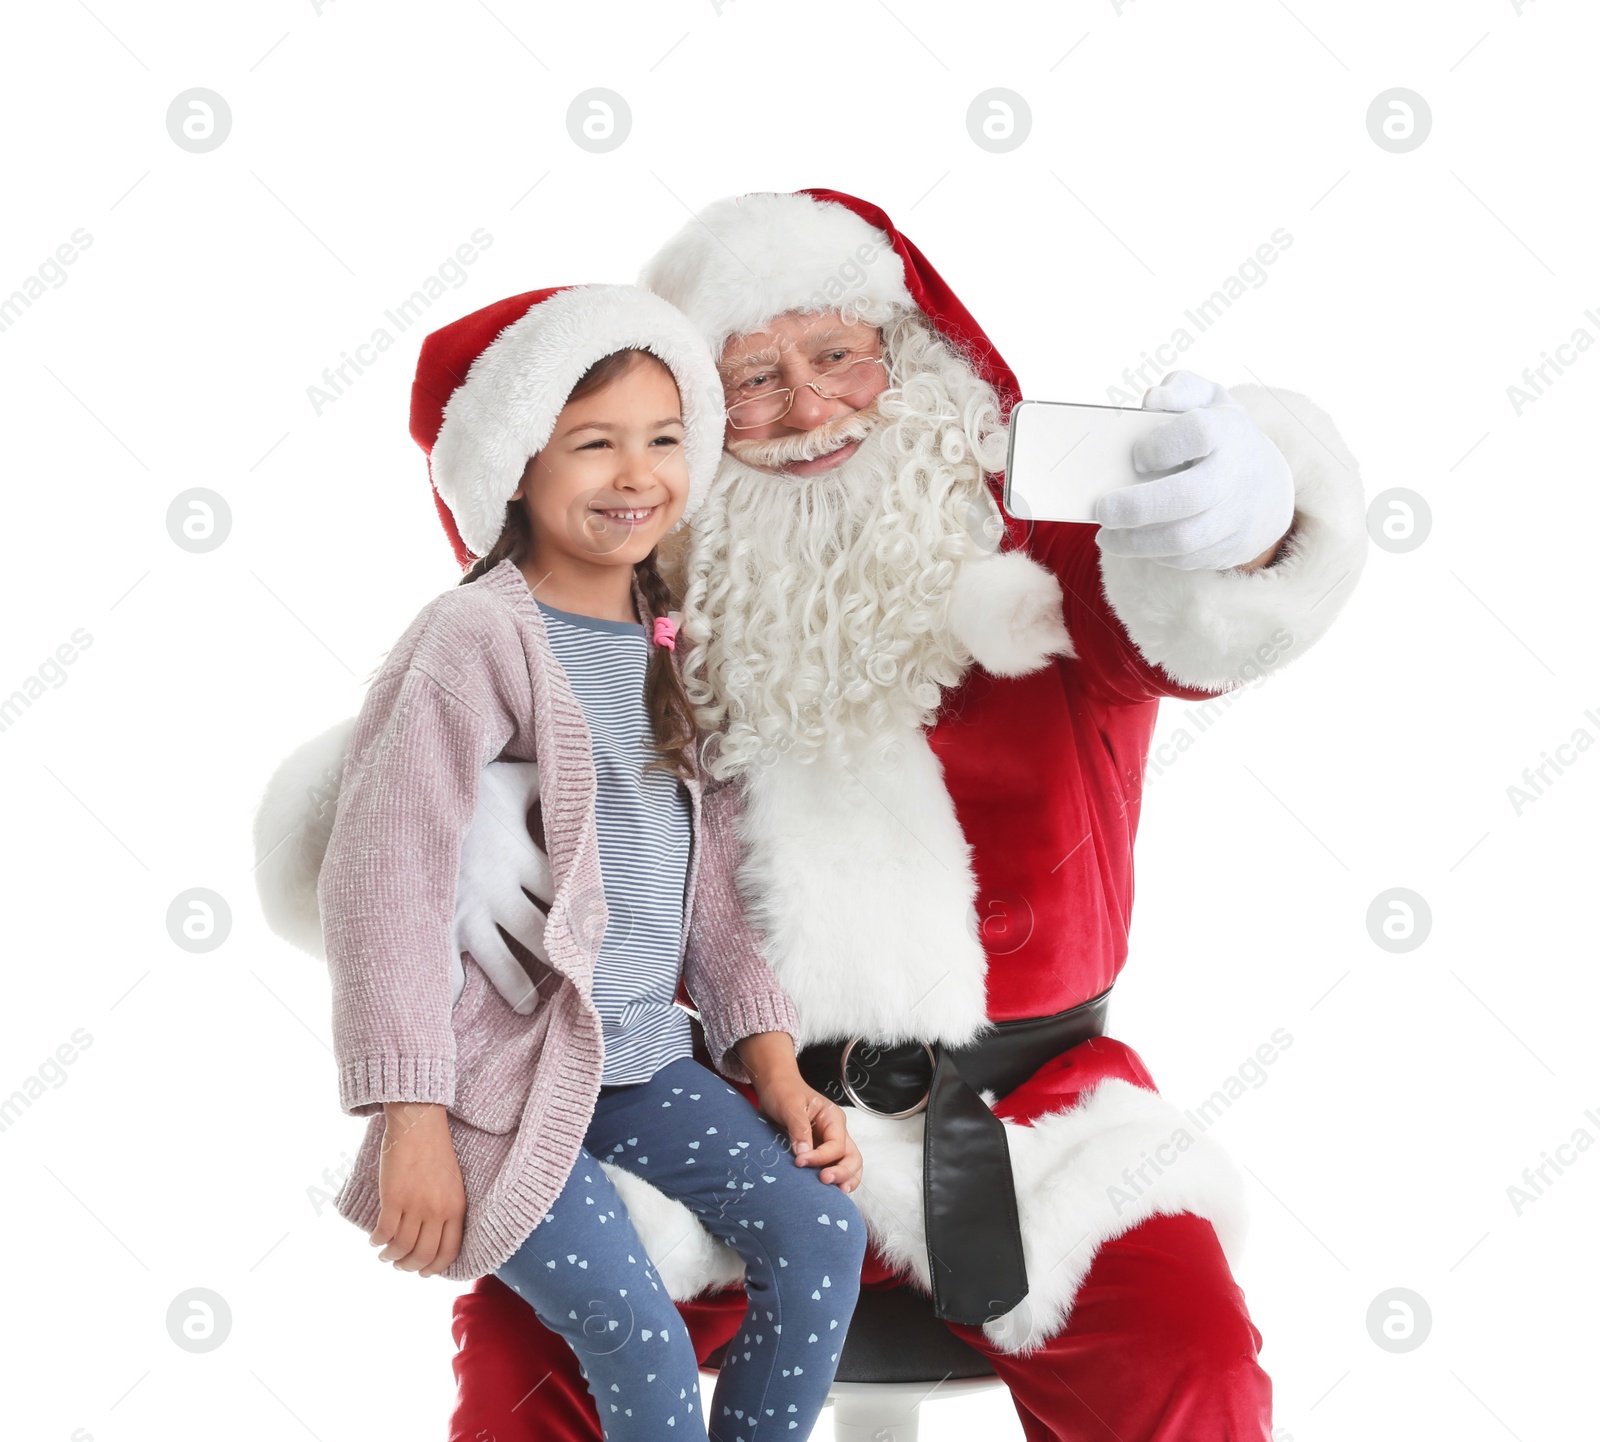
(1158, 1348)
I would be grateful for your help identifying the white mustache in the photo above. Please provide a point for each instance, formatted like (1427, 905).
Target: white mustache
(808, 445)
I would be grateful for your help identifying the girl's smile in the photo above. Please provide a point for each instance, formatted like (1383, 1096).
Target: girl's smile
(634, 516)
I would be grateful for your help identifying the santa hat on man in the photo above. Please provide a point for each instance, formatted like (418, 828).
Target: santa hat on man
(745, 260)
(489, 387)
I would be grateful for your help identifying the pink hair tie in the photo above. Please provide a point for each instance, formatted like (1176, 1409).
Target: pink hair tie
(666, 633)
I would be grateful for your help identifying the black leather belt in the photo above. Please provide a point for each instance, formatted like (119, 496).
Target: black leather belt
(969, 1196)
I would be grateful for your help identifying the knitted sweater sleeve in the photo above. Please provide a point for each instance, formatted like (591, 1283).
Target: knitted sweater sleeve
(431, 722)
(725, 970)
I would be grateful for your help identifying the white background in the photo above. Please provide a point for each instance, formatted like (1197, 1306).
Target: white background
(180, 1148)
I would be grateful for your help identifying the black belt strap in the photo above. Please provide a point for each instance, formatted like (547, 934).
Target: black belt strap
(969, 1203)
(974, 1237)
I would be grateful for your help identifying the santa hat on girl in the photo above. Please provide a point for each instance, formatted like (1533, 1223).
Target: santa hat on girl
(489, 387)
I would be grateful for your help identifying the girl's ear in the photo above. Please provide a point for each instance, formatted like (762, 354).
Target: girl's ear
(527, 471)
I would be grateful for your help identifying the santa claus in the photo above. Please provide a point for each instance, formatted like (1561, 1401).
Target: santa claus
(939, 716)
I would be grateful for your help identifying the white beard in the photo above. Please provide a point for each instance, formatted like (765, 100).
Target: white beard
(816, 607)
(826, 615)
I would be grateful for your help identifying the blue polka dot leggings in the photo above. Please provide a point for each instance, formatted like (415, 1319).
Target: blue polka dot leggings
(586, 1275)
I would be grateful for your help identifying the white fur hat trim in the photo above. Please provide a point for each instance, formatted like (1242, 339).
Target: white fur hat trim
(744, 260)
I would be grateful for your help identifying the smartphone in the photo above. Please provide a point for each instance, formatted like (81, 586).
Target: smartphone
(1061, 457)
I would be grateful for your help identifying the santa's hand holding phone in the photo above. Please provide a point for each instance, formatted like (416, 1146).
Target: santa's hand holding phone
(1231, 507)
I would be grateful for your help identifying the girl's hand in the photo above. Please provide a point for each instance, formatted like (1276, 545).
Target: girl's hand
(816, 1128)
(423, 1202)
(815, 1124)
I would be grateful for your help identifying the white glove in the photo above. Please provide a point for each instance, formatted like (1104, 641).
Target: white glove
(500, 862)
(1235, 502)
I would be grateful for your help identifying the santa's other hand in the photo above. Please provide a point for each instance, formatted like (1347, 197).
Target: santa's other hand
(1234, 501)
(502, 866)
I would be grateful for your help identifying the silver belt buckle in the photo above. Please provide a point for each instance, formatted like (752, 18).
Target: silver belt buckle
(850, 1091)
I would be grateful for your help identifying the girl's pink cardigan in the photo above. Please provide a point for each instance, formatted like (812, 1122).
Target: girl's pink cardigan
(473, 680)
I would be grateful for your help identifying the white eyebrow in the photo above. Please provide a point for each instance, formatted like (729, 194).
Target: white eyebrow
(823, 338)
(818, 340)
(767, 357)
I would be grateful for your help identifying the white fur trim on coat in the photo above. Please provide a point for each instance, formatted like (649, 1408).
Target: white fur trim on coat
(749, 258)
(293, 821)
(506, 408)
(1006, 609)
(688, 1257)
(1215, 630)
(851, 859)
(1083, 1177)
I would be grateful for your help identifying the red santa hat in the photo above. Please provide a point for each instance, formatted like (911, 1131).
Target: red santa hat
(489, 387)
(745, 260)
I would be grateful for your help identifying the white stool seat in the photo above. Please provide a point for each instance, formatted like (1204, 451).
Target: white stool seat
(887, 1411)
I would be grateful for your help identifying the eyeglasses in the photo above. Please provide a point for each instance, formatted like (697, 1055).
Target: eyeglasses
(772, 406)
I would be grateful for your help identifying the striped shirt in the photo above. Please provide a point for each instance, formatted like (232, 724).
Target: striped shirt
(644, 825)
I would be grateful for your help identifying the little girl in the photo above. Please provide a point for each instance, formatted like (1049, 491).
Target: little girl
(569, 431)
